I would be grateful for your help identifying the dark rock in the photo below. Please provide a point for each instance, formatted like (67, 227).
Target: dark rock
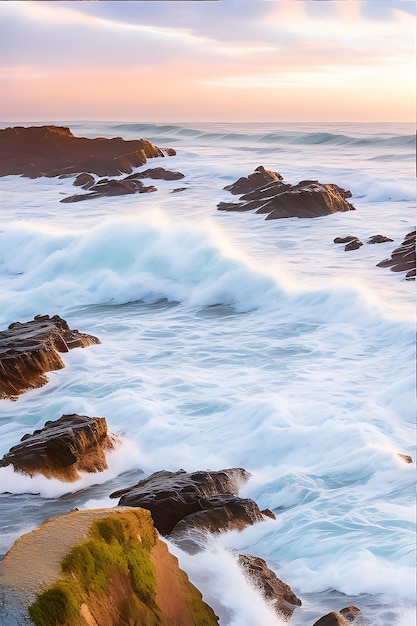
(343, 618)
(405, 457)
(197, 500)
(378, 239)
(259, 177)
(62, 448)
(156, 173)
(353, 245)
(169, 151)
(84, 180)
(275, 592)
(28, 350)
(178, 189)
(346, 239)
(279, 200)
(53, 151)
(111, 188)
(403, 258)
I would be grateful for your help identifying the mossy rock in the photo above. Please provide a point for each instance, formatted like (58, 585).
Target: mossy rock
(121, 574)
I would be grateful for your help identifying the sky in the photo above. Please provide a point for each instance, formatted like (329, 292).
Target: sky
(208, 60)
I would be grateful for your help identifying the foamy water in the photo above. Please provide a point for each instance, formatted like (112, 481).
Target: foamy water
(230, 341)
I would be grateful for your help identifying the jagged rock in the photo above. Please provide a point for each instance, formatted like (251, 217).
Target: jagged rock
(346, 239)
(278, 200)
(98, 567)
(353, 245)
(379, 239)
(403, 258)
(28, 350)
(260, 177)
(276, 592)
(63, 448)
(180, 501)
(343, 618)
(53, 150)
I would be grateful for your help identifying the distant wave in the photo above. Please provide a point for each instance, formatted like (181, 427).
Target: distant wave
(177, 133)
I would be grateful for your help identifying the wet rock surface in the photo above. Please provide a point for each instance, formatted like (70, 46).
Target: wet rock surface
(253, 181)
(30, 349)
(342, 618)
(275, 592)
(53, 150)
(277, 199)
(127, 185)
(403, 258)
(181, 502)
(63, 448)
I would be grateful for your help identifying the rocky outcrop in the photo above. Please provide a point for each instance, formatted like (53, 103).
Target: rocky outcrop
(182, 502)
(129, 184)
(276, 593)
(277, 199)
(257, 179)
(53, 150)
(343, 618)
(99, 567)
(403, 258)
(63, 448)
(30, 349)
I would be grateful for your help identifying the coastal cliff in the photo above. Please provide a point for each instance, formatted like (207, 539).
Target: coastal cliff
(100, 567)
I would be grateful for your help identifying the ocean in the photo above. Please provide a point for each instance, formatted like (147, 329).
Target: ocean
(231, 341)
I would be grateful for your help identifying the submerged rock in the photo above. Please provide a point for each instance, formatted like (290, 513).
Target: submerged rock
(277, 200)
(403, 258)
(101, 567)
(275, 592)
(63, 448)
(28, 350)
(379, 239)
(181, 502)
(53, 150)
(353, 245)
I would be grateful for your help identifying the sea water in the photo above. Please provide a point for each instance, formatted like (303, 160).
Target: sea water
(231, 341)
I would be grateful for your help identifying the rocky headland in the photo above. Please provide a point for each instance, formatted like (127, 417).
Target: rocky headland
(36, 151)
(30, 349)
(99, 568)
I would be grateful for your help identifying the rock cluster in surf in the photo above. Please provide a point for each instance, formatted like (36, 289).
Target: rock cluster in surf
(63, 448)
(403, 258)
(277, 199)
(28, 350)
(119, 187)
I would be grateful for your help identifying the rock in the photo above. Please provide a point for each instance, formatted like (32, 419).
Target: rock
(353, 245)
(343, 618)
(99, 567)
(180, 501)
(248, 183)
(405, 457)
(279, 200)
(275, 592)
(346, 239)
(84, 180)
(63, 448)
(379, 239)
(111, 188)
(156, 173)
(178, 189)
(403, 258)
(28, 350)
(53, 151)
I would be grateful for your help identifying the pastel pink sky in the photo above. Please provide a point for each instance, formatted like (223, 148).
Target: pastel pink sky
(224, 60)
